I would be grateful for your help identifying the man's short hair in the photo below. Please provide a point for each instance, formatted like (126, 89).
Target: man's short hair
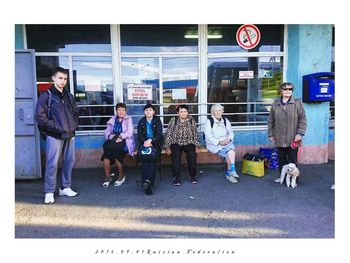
(60, 70)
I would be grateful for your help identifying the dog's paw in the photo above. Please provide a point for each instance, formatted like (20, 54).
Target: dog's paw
(294, 185)
(288, 184)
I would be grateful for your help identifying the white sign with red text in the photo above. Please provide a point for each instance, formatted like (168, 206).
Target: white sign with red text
(248, 74)
(139, 92)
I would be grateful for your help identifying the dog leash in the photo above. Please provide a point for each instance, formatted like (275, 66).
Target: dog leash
(297, 145)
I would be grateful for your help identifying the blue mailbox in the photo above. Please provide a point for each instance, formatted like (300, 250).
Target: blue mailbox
(318, 87)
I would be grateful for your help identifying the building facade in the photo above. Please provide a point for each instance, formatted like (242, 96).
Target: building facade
(199, 65)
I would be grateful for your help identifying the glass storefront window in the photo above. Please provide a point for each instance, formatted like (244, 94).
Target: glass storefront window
(222, 39)
(180, 85)
(69, 38)
(159, 38)
(93, 87)
(140, 84)
(249, 84)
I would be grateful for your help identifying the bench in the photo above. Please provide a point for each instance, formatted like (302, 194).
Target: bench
(163, 153)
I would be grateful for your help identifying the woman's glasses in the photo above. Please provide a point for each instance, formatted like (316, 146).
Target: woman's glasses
(291, 89)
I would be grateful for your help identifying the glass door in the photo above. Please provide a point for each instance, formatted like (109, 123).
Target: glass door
(180, 85)
(163, 81)
(140, 85)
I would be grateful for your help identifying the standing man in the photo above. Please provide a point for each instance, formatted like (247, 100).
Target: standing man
(57, 116)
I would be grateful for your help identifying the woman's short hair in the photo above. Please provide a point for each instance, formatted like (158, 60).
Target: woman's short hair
(120, 105)
(182, 106)
(147, 106)
(285, 84)
(216, 107)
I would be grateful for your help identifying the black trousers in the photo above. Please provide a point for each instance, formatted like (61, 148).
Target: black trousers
(148, 171)
(286, 155)
(191, 157)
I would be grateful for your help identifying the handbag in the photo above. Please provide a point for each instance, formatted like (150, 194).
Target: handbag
(253, 165)
(147, 154)
(271, 157)
(111, 145)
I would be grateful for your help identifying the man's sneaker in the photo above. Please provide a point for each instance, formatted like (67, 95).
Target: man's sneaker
(67, 192)
(119, 183)
(193, 180)
(107, 182)
(49, 199)
(232, 179)
(146, 184)
(234, 174)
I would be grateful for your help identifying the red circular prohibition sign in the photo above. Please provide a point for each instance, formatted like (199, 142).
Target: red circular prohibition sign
(248, 36)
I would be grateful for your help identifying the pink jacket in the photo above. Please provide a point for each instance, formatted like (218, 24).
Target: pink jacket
(127, 134)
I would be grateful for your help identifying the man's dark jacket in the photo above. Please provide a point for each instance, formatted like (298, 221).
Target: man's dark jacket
(64, 114)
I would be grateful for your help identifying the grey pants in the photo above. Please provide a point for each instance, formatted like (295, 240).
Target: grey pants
(54, 148)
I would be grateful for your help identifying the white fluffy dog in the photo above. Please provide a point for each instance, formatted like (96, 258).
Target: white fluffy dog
(292, 173)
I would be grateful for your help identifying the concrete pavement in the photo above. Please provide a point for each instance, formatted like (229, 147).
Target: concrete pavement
(214, 208)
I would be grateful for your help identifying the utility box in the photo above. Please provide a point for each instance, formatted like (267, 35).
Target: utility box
(27, 139)
(318, 87)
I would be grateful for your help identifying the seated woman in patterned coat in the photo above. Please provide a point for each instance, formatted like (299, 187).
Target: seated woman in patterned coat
(182, 136)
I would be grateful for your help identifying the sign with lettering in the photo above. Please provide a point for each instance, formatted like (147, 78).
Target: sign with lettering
(139, 92)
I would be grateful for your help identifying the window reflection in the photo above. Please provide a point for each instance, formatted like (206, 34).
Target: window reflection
(180, 84)
(142, 73)
(69, 38)
(254, 80)
(93, 87)
(159, 38)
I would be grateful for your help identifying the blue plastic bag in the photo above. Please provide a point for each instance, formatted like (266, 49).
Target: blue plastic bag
(271, 156)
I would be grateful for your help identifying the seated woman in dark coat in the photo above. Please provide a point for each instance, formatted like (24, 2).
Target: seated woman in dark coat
(149, 133)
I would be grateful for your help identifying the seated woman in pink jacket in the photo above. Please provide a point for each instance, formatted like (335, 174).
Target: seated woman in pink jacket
(120, 129)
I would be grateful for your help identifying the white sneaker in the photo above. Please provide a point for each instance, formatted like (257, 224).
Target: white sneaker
(106, 182)
(232, 179)
(49, 199)
(67, 192)
(119, 183)
(234, 174)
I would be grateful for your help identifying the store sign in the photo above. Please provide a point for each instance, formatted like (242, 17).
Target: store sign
(139, 92)
(248, 36)
(93, 85)
(179, 94)
(249, 74)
